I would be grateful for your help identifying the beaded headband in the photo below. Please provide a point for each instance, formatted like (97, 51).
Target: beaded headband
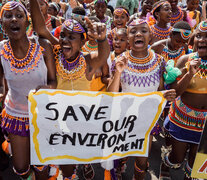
(74, 26)
(9, 6)
(185, 34)
(100, 1)
(120, 11)
(81, 17)
(158, 5)
(203, 26)
(55, 6)
(137, 22)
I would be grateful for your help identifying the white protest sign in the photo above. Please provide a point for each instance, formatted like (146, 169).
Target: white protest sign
(71, 127)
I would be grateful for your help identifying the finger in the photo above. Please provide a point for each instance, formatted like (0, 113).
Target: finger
(88, 22)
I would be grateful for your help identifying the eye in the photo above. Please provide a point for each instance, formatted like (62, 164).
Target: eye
(133, 31)
(7, 15)
(19, 15)
(71, 37)
(198, 36)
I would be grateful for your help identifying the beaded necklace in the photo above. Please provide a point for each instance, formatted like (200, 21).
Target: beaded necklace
(168, 54)
(202, 70)
(69, 70)
(177, 17)
(89, 48)
(29, 62)
(143, 65)
(160, 32)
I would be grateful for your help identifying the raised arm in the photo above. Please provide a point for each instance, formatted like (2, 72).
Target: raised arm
(98, 31)
(39, 23)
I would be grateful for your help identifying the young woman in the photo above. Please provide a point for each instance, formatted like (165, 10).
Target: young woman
(188, 112)
(131, 69)
(26, 64)
(176, 45)
(162, 13)
(74, 70)
(177, 13)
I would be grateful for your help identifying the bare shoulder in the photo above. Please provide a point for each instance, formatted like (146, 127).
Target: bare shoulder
(158, 46)
(182, 61)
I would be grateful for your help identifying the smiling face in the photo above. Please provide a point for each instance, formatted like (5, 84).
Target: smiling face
(15, 22)
(139, 37)
(120, 20)
(70, 43)
(120, 42)
(200, 43)
(165, 13)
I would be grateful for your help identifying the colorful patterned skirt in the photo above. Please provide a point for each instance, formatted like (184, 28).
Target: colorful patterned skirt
(185, 123)
(15, 125)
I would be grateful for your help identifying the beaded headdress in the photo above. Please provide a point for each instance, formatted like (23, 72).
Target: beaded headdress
(55, 5)
(203, 26)
(185, 34)
(9, 6)
(45, 1)
(137, 22)
(158, 5)
(74, 26)
(120, 11)
(81, 17)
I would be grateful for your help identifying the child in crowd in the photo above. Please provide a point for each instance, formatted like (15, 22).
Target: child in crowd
(193, 15)
(131, 68)
(25, 64)
(121, 17)
(162, 13)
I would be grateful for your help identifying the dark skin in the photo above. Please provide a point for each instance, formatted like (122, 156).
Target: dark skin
(20, 44)
(198, 101)
(163, 18)
(142, 34)
(174, 43)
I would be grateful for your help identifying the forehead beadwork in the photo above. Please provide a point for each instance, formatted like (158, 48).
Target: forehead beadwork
(120, 11)
(185, 34)
(9, 6)
(158, 5)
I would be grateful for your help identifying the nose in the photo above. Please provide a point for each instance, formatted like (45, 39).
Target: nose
(14, 18)
(138, 33)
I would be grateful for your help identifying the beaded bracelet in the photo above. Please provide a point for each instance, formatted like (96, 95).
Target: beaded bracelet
(100, 41)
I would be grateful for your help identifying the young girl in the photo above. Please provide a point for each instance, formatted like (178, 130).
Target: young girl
(188, 112)
(177, 13)
(73, 69)
(100, 8)
(121, 16)
(26, 64)
(162, 13)
(176, 45)
(193, 15)
(131, 69)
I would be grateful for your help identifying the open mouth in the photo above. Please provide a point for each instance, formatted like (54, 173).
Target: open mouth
(117, 47)
(66, 48)
(139, 43)
(15, 29)
(202, 48)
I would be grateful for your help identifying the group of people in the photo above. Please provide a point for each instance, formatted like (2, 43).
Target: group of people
(137, 46)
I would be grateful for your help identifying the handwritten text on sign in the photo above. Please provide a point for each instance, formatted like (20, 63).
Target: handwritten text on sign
(69, 127)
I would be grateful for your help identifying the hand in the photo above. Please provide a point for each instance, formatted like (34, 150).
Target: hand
(121, 64)
(98, 73)
(194, 66)
(96, 30)
(170, 95)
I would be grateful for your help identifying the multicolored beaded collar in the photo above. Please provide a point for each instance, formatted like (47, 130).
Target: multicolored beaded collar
(140, 60)
(160, 32)
(203, 26)
(177, 17)
(89, 48)
(167, 54)
(69, 70)
(29, 62)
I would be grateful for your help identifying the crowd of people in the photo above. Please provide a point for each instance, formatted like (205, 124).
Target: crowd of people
(98, 45)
